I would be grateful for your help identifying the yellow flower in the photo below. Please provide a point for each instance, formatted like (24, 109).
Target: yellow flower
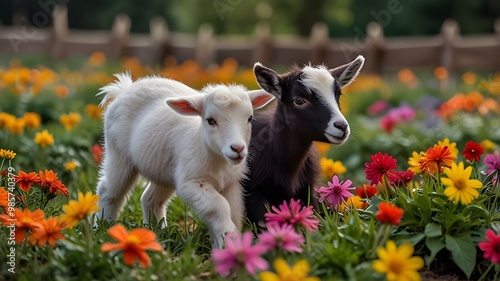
(7, 154)
(78, 210)
(488, 145)
(331, 168)
(44, 138)
(398, 263)
(93, 111)
(413, 162)
(452, 146)
(284, 273)
(70, 166)
(32, 119)
(16, 127)
(460, 188)
(69, 120)
(323, 147)
(354, 202)
(6, 119)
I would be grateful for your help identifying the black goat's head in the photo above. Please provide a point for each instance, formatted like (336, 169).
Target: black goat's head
(309, 99)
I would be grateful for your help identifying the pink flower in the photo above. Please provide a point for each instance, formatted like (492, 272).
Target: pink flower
(377, 107)
(492, 162)
(239, 251)
(295, 215)
(281, 237)
(491, 247)
(336, 193)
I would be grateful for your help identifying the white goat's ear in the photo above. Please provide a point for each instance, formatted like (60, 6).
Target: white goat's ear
(259, 98)
(186, 105)
(268, 79)
(347, 73)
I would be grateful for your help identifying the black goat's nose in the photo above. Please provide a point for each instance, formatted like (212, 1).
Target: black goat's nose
(237, 148)
(342, 125)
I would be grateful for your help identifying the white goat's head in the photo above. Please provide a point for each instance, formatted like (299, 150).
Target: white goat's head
(226, 113)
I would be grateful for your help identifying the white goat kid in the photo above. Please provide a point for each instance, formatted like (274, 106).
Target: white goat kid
(153, 128)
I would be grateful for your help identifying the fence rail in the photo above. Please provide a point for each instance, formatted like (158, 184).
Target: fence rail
(448, 49)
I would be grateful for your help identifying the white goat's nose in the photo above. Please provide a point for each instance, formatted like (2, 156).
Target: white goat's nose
(237, 148)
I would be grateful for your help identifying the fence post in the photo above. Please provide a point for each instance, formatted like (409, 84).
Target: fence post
(375, 49)
(60, 30)
(205, 52)
(450, 33)
(159, 33)
(263, 44)
(119, 34)
(319, 43)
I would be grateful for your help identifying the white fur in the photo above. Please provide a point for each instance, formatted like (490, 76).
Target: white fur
(146, 135)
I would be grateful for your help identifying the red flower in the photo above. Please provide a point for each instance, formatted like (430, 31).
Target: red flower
(24, 180)
(388, 213)
(491, 247)
(4, 173)
(381, 165)
(473, 151)
(434, 159)
(401, 178)
(367, 191)
(97, 151)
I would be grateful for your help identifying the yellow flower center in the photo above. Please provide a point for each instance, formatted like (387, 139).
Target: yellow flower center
(132, 239)
(460, 184)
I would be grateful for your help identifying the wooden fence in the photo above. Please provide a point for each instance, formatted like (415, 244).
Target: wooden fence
(448, 49)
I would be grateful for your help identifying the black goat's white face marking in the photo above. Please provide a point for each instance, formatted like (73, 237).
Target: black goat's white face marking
(319, 81)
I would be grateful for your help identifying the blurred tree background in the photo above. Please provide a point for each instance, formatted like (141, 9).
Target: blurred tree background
(344, 17)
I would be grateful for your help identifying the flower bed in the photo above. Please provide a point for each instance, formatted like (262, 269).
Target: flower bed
(413, 194)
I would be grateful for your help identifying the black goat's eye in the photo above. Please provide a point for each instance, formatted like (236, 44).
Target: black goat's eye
(299, 101)
(250, 119)
(211, 121)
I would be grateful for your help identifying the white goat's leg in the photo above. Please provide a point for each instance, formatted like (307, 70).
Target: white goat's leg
(117, 178)
(209, 205)
(234, 196)
(154, 199)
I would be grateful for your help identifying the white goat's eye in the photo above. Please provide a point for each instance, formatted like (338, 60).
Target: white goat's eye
(299, 101)
(250, 119)
(211, 121)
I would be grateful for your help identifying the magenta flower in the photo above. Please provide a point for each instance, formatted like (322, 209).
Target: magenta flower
(401, 178)
(239, 251)
(336, 193)
(492, 162)
(281, 237)
(295, 215)
(491, 246)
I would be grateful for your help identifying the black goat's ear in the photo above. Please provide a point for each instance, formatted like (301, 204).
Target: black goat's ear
(347, 73)
(268, 79)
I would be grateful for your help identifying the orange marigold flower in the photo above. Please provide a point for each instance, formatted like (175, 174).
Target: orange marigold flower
(70, 120)
(16, 127)
(61, 90)
(388, 213)
(50, 180)
(440, 73)
(434, 159)
(93, 111)
(47, 231)
(32, 119)
(469, 77)
(133, 244)
(25, 180)
(97, 58)
(24, 221)
(78, 210)
(4, 197)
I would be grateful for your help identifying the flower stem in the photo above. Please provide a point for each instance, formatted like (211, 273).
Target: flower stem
(486, 272)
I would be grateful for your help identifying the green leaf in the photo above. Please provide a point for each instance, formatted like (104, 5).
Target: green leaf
(435, 245)
(433, 230)
(463, 252)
